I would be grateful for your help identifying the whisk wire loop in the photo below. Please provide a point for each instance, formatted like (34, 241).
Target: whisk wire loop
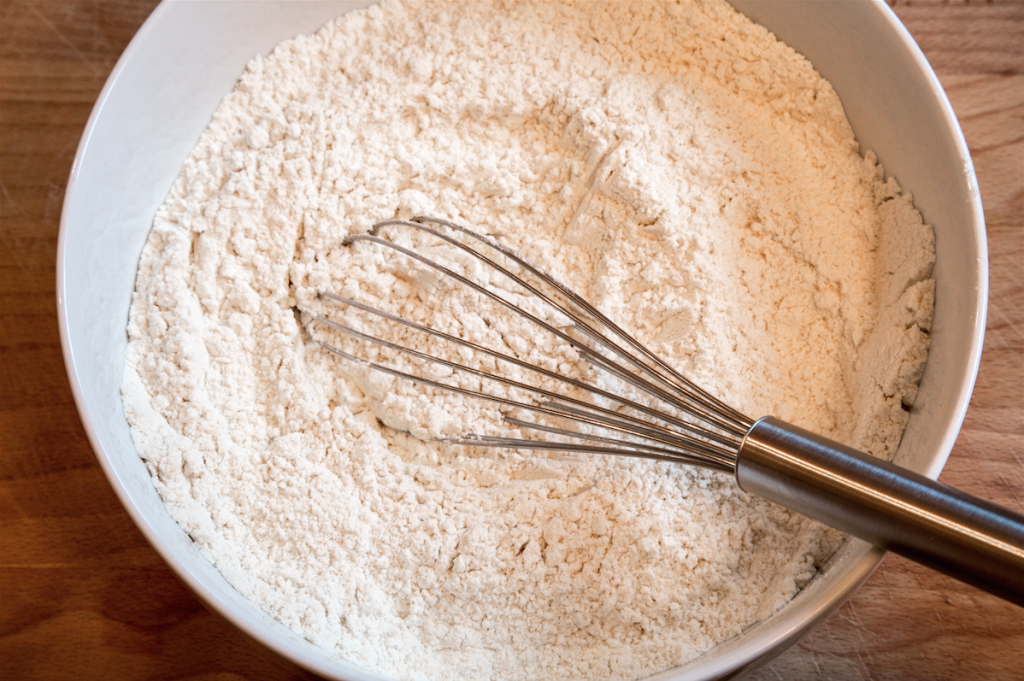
(679, 455)
(706, 432)
(679, 444)
(687, 397)
(686, 386)
(582, 412)
(692, 428)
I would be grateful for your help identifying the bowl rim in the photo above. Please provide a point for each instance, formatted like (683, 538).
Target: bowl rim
(864, 558)
(980, 238)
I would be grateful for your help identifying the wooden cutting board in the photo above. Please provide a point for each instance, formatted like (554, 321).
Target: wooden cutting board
(83, 596)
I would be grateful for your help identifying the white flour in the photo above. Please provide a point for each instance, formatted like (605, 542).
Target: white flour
(693, 177)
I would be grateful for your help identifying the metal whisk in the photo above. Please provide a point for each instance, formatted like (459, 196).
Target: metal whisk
(672, 419)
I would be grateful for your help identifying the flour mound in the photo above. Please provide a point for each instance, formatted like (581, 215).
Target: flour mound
(690, 175)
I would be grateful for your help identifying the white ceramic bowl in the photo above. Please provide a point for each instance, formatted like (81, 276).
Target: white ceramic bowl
(189, 53)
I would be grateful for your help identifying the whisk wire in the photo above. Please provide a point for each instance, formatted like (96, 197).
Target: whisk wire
(689, 404)
(725, 463)
(692, 428)
(687, 386)
(697, 400)
(596, 416)
(547, 445)
(711, 435)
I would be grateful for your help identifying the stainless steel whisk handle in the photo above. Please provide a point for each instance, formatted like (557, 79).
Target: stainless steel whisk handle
(893, 508)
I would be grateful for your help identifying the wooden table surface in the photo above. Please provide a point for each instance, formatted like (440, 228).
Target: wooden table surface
(83, 596)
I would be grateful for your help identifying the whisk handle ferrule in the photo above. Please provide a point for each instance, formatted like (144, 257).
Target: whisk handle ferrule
(895, 509)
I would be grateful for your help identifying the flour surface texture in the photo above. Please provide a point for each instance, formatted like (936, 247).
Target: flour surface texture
(690, 175)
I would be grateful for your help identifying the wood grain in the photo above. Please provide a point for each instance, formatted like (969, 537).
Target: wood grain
(82, 595)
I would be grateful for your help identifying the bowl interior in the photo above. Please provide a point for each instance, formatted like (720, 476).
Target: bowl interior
(189, 54)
